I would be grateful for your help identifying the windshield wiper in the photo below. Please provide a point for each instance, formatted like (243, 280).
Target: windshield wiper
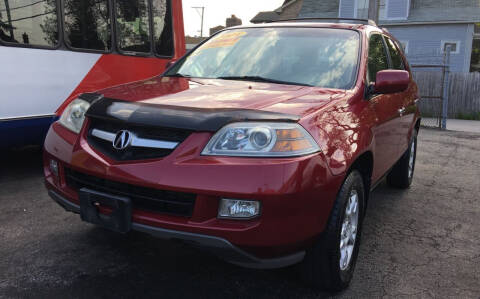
(261, 79)
(178, 75)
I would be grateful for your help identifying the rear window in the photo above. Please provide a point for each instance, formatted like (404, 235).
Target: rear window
(29, 22)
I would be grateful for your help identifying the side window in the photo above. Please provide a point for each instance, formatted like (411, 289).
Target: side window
(397, 60)
(377, 57)
(133, 26)
(162, 27)
(87, 24)
(29, 22)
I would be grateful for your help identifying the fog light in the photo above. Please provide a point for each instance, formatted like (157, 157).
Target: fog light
(240, 209)
(54, 167)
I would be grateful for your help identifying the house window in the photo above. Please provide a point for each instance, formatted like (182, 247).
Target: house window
(454, 46)
(397, 9)
(475, 60)
(348, 9)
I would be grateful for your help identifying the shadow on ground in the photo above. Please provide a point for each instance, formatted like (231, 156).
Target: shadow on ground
(422, 242)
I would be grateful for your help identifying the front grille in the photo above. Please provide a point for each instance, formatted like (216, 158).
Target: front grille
(134, 153)
(147, 199)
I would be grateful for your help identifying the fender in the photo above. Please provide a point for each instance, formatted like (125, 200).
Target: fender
(337, 130)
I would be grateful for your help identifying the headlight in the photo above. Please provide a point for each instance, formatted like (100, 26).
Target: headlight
(74, 115)
(262, 140)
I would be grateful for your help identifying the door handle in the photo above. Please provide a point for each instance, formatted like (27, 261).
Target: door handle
(401, 111)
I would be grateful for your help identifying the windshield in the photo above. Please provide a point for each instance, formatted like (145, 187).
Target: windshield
(305, 56)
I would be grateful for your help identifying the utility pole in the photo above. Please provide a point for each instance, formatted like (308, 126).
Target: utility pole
(9, 17)
(374, 10)
(446, 85)
(202, 9)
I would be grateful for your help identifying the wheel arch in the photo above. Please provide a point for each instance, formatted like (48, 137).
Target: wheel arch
(417, 124)
(364, 164)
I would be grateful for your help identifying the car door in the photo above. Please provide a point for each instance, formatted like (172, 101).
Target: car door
(405, 99)
(386, 107)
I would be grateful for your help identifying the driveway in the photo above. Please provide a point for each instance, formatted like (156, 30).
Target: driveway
(472, 126)
(423, 242)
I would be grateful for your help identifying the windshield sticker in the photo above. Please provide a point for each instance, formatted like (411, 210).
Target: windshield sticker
(224, 40)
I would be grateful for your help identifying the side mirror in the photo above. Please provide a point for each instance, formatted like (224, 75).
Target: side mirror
(392, 81)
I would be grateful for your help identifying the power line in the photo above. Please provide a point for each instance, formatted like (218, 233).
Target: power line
(34, 16)
(18, 7)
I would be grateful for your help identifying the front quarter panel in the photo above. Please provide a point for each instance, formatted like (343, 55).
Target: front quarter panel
(343, 131)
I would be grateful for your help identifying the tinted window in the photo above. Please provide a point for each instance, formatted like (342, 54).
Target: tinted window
(29, 22)
(87, 24)
(312, 56)
(133, 27)
(162, 27)
(377, 57)
(475, 61)
(397, 60)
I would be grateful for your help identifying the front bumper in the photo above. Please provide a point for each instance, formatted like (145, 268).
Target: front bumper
(296, 194)
(218, 246)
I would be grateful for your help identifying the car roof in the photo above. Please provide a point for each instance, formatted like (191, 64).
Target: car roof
(363, 25)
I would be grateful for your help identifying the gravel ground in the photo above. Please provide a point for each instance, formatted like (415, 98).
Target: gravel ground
(423, 242)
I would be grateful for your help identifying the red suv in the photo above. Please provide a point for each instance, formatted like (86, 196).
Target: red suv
(261, 145)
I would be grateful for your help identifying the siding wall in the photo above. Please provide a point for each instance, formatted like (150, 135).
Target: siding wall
(330, 9)
(424, 43)
(398, 9)
(444, 3)
(347, 8)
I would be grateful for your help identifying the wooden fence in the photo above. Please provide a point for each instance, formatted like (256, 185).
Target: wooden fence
(464, 93)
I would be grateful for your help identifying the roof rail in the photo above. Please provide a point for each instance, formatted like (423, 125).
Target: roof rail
(336, 20)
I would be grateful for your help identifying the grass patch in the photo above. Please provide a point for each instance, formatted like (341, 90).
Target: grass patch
(469, 116)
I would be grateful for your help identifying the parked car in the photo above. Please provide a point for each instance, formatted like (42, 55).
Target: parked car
(262, 145)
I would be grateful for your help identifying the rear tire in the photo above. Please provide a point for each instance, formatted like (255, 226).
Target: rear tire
(330, 263)
(401, 175)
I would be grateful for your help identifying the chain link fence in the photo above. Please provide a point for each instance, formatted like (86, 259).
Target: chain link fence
(431, 72)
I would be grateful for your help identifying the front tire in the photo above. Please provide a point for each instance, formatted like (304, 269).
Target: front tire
(330, 263)
(401, 175)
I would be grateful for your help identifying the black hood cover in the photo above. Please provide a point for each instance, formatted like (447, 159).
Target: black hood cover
(167, 116)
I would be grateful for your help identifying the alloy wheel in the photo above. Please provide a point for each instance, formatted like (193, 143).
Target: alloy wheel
(411, 160)
(348, 234)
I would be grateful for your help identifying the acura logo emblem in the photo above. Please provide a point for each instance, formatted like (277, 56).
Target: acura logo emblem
(122, 140)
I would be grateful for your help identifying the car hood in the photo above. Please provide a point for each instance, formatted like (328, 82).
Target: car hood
(220, 94)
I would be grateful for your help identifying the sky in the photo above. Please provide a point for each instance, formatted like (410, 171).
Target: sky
(216, 11)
